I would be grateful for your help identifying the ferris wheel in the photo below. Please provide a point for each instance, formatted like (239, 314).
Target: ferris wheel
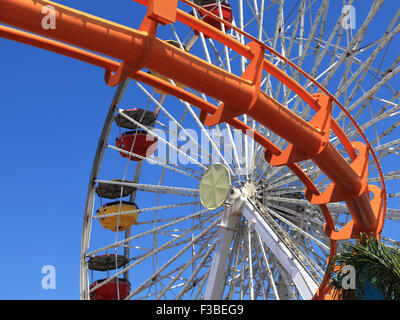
(221, 222)
(244, 145)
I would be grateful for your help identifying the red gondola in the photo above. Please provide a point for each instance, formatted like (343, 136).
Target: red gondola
(116, 289)
(213, 7)
(137, 142)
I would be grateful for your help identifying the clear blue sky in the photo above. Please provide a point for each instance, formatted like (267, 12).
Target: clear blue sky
(52, 112)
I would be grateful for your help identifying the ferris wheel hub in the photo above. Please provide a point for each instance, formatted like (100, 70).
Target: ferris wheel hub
(215, 186)
(249, 190)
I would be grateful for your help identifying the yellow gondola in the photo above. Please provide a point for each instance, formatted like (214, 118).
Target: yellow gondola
(115, 218)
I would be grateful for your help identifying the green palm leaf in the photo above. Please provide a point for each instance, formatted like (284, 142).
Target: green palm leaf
(377, 267)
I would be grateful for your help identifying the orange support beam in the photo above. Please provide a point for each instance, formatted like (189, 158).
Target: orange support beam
(138, 49)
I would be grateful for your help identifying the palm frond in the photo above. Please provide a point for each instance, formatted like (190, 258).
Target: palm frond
(377, 268)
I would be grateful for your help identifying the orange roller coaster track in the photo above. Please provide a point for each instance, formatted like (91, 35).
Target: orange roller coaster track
(78, 32)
